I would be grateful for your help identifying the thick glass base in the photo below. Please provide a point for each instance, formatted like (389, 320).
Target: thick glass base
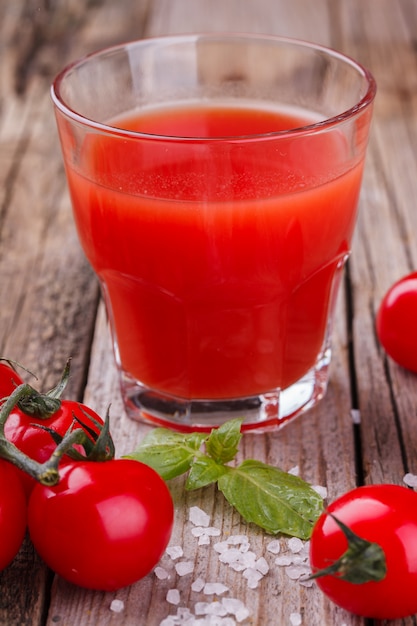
(267, 411)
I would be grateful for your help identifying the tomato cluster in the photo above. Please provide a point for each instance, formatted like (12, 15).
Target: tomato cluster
(102, 524)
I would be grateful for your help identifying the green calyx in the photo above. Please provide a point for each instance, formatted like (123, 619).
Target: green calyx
(44, 405)
(364, 561)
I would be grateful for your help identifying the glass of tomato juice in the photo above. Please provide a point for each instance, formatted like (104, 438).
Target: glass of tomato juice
(214, 180)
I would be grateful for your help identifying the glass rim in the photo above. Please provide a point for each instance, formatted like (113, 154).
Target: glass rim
(109, 129)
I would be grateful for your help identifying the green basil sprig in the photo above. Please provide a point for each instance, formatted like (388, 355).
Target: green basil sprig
(276, 501)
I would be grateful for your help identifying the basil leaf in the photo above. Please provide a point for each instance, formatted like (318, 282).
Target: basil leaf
(167, 452)
(222, 444)
(204, 471)
(272, 499)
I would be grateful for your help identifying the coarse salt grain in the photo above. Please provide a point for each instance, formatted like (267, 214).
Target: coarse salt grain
(274, 547)
(211, 589)
(295, 545)
(322, 491)
(184, 567)
(175, 552)
(410, 480)
(237, 539)
(161, 573)
(236, 607)
(356, 416)
(173, 596)
(210, 608)
(204, 540)
(253, 577)
(221, 546)
(198, 584)
(296, 619)
(262, 565)
(296, 571)
(283, 560)
(198, 517)
(117, 606)
(294, 470)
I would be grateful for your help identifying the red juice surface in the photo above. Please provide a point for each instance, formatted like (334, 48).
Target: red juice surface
(218, 257)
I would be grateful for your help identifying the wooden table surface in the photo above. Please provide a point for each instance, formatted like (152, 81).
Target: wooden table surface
(364, 431)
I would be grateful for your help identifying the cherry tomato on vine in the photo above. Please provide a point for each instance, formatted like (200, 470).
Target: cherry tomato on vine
(385, 516)
(9, 380)
(396, 322)
(28, 433)
(104, 525)
(13, 513)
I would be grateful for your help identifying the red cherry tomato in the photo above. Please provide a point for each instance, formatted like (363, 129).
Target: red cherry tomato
(104, 525)
(387, 516)
(9, 380)
(396, 322)
(24, 431)
(13, 513)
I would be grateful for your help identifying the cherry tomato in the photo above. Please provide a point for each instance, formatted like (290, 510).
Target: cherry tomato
(396, 322)
(13, 513)
(9, 380)
(104, 525)
(24, 431)
(382, 514)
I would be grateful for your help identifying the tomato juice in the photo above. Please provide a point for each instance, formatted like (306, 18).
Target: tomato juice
(218, 242)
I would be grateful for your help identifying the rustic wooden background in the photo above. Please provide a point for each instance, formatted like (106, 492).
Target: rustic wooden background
(51, 308)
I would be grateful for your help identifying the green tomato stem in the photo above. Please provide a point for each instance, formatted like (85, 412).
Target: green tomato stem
(364, 561)
(47, 472)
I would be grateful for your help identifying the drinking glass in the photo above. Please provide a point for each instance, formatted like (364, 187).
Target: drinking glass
(214, 181)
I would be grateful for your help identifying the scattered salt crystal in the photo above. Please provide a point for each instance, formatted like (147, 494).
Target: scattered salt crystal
(204, 540)
(173, 596)
(306, 581)
(210, 608)
(294, 470)
(161, 573)
(356, 416)
(169, 621)
(238, 560)
(117, 606)
(295, 545)
(322, 491)
(175, 552)
(295, 571)
(253, 577)
(198, 517)
(210, 531)
(198, 584)
(298, 559)
(236, 607)
(237, 539)
(229, 556)
(221, 546)
(274, 547)
(283, 560)
(262, 565)
(410, 480)
(296, 619)
(184, 567)
(214, 589)
(183, 616)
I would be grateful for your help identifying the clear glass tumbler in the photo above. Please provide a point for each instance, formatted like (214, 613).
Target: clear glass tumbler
(215, 181)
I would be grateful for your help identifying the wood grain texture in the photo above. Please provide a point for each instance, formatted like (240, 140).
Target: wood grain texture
(51, 308)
